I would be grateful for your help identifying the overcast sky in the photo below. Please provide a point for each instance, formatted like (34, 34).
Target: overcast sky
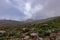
(29, 9)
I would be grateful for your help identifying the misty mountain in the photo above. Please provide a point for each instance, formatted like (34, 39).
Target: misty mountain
(40, 21)
(10, 22)
(30, 21)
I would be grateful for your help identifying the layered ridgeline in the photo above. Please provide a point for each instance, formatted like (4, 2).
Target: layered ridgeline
(29, 21)
(40, 27)
(4, 23)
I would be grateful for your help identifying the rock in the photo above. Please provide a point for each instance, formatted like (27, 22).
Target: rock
(1, 31)
(40, 38)
(26, 37)
(33, 34)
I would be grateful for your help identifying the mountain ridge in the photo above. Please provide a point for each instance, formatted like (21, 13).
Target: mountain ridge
(14, 23)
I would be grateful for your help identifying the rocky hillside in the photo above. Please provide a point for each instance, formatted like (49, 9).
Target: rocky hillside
(31, 30)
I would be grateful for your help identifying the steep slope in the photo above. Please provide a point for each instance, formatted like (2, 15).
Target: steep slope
(43, 20)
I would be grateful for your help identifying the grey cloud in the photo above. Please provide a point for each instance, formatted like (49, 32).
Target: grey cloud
(9, 12)
(50, 10)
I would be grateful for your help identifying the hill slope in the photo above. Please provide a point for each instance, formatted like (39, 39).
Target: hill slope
(43, 20)
(42, 29)
(14, 23)
(9, 23)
